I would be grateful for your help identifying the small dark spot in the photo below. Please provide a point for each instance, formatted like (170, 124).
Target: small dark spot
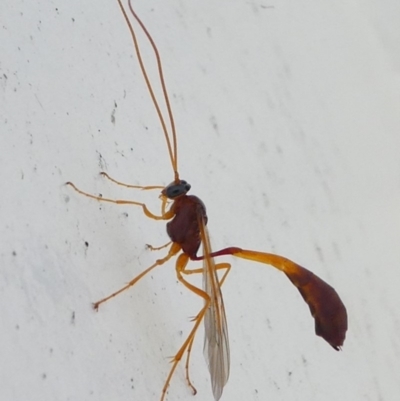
(125, 214)
(17, 327)
(14, 253)
(44, 376)
(276, 385)
(214, 123)
(73, 317)
(51, 350)
(73, 19)
(87, 244)
(102, 162)
(319, 252)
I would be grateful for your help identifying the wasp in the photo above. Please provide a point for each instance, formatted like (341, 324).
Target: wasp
(186, 218)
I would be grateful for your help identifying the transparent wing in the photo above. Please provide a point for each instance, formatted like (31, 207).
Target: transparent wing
(216, 342)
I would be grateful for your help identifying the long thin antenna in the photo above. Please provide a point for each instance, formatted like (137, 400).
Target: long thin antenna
(173, 152)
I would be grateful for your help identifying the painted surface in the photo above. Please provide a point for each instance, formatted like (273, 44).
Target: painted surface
(288, 122)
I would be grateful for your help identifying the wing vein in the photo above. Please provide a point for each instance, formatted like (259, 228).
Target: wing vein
(216, 342)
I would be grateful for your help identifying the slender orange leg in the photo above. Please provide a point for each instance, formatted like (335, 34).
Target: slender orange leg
(175, 248)
(218, 266)
(148, 187)
(188, 353)
(157, 248)
(180, 268)
(165, 216)
(325, 305)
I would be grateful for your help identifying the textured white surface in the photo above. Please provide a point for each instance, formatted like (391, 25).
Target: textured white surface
(288, 123)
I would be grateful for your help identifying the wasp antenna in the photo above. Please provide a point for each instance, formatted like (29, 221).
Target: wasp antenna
(172, 150)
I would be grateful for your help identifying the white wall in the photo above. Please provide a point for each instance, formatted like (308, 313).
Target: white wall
(288, 123)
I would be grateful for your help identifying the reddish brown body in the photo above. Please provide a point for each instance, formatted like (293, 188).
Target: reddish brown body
(184, 228)
(325, 306)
